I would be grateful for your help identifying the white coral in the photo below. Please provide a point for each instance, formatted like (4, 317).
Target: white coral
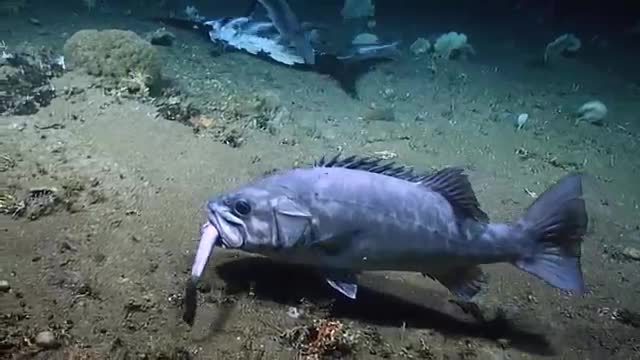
(420, 46)
(593, 111)
(563, 43)
(452, 43)
(356, 9)
(193, 14)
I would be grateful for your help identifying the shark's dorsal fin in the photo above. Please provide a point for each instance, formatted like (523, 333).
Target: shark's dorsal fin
(251, 9)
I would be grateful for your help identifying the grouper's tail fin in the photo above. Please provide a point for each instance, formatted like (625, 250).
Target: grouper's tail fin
(556, 222)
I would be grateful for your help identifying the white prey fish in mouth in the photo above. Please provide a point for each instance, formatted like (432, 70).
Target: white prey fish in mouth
(346, 216)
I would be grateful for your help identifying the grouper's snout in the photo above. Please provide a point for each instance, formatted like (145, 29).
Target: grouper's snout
(208, 241)
(231, 229)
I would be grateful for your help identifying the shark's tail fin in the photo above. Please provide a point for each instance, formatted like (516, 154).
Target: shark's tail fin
(329, 64)
(346, 71)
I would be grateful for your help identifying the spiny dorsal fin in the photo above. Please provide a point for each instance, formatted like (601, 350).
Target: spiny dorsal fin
(370, 164)
(451, 183)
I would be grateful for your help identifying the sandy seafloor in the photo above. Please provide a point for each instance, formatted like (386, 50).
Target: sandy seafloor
(107, 277)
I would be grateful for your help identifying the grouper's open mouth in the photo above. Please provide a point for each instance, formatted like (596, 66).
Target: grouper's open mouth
(230, 228)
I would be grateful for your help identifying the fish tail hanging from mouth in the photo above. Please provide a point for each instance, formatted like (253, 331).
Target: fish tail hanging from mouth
(205, 247)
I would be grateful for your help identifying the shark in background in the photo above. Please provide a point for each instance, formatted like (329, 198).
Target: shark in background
(283, 39)
(288, 26)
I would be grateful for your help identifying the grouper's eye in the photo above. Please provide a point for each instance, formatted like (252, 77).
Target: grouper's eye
(242, 207)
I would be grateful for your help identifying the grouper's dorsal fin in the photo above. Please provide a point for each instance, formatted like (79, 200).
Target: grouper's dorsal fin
(454, 185)
(450, 182)
(370, 164)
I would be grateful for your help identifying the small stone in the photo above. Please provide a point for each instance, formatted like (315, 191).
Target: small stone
(388, 93)
(294, 312)
(365, 39)
(161, 37)
(631, 253)
(4, 286)
(420, 46)
(46, 340)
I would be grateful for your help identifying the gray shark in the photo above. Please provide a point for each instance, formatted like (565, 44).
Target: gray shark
(262, 38)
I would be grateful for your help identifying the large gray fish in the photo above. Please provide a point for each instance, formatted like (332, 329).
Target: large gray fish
(345, 216)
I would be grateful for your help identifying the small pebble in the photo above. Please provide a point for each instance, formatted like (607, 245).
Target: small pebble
(294, 312)
(46, 340)
(4, 286)
(631, 253)
(521, 120)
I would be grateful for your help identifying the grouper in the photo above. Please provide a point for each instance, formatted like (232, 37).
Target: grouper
(344, 216)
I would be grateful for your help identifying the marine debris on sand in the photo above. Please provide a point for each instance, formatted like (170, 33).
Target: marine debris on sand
(25, 78)
(37, 202)
(323, 338)
(73, 196)
(228, 118)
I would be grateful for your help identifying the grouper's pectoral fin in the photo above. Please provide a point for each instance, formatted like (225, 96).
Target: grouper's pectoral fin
(464, 282)
(344, 282)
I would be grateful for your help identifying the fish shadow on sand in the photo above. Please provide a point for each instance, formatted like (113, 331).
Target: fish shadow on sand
(398, 304)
